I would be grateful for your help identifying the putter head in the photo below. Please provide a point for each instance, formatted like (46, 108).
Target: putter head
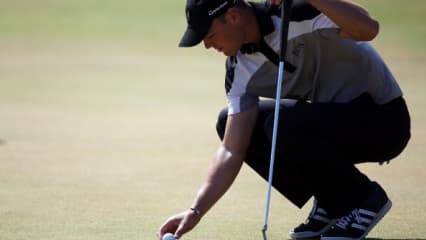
(264, 229)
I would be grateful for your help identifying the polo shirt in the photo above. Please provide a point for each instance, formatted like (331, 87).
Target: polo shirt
(320, 66)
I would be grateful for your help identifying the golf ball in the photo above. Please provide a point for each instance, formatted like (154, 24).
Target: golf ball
(168, 236)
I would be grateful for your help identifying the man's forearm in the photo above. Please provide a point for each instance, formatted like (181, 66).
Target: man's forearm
(221, 175)
(353, 19)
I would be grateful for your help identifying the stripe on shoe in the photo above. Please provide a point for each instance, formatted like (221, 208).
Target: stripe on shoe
(321, 218)
(363, 219)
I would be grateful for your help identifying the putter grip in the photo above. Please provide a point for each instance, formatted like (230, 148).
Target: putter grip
(285, 14)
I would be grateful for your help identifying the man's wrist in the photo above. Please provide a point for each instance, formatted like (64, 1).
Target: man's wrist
(195, 210)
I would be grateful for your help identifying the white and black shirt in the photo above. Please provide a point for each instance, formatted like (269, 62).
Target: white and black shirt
(320, 66)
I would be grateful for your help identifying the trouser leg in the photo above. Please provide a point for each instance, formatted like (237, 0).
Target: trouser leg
(258, 156)
(307, 146)
(325, 140)
(319, 143)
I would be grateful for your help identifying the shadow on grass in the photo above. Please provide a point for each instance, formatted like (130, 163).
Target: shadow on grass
(374, 239)
(395, 239)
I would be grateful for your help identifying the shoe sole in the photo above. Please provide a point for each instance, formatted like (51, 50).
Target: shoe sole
(385, 209)
(306, 234)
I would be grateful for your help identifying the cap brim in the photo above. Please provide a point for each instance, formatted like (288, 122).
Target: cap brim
(192, 37)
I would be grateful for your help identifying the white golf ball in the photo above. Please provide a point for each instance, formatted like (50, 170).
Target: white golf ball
(168, 236)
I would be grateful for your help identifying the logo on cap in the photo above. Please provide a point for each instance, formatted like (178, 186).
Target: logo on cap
(212, 12)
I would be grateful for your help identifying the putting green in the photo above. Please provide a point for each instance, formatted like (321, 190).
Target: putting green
(107, 128)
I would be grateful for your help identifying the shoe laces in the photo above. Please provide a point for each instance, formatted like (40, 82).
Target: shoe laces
(347, 220)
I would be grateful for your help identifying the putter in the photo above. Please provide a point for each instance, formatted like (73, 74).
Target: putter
(285, 19)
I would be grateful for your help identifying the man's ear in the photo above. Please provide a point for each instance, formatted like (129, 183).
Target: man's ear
(233, 15)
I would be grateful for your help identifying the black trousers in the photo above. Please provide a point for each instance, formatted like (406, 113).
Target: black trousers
(318, 145)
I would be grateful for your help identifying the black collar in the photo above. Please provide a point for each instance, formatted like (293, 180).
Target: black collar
(266, 26)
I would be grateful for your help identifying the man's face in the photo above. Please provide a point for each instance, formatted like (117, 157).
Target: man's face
(224, 36)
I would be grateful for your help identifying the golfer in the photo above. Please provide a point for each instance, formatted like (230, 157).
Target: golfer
(342, 106)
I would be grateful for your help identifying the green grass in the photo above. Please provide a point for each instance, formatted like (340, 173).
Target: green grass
(107, 128)
(146, 23)
(399, 22)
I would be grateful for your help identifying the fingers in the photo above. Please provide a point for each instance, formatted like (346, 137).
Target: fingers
(178, 234)
(189, 221)
(179, 224)
(183, 227)
(169, 226)
(273, 3)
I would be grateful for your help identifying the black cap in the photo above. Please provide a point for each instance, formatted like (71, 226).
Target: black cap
(199, 16)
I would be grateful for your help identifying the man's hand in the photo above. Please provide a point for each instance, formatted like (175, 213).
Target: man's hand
(180, 224)
(275, 2)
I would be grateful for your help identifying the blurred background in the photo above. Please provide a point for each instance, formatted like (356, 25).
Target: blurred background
(107, 128)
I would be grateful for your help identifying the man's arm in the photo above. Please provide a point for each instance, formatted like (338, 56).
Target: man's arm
(221, 174)
(354, 20)
(228, 160)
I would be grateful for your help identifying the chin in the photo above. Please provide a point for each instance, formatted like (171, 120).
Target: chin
(230, 54)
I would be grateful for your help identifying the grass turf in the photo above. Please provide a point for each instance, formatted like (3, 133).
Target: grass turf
(106, 131)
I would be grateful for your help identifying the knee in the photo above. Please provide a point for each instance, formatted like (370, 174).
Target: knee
(221, 122)
(397, 147)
